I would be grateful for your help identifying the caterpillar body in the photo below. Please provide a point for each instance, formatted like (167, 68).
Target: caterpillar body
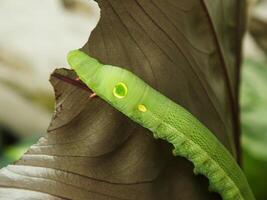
(166, 120)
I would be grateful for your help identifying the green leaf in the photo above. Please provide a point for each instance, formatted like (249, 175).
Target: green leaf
(254, 124)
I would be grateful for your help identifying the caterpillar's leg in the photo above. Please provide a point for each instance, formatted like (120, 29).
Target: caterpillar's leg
(92, 95)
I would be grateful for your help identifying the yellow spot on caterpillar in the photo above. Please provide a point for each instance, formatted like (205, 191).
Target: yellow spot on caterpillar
(120, 90)
(142, 108)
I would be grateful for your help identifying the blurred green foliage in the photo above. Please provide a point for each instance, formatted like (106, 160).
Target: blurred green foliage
(254, 125)
(12, 148)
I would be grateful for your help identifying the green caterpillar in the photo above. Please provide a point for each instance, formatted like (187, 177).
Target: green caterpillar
(166, 120)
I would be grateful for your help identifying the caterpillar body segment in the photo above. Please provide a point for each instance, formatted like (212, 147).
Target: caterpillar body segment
(166, 120)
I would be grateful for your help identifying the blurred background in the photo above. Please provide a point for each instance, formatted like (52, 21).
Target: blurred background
(35, 37)
(34, 40)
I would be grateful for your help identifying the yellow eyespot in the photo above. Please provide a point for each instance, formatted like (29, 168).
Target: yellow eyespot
(142, 108)
(120, 90)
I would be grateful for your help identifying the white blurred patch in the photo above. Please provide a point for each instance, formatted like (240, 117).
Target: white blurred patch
(35, 36)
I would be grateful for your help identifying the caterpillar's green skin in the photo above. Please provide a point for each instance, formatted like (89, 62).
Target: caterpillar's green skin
(166, 120)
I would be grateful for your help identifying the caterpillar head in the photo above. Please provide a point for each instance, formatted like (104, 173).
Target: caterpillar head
(117, 86)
